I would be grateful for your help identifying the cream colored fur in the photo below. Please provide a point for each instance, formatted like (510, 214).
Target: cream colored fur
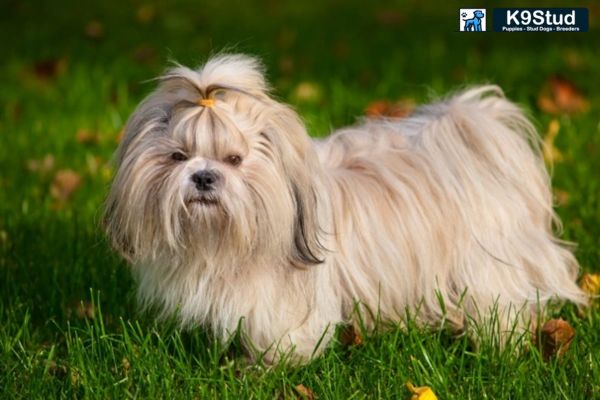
(446, 214)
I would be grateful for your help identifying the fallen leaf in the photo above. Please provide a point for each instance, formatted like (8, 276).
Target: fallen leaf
(590, 283)
(145, 13)
(385, 108)
(48, 69)
(561, 196)
(573, 59)
(551, 153)
(85, 136)
(81, 310)
(307, 92)
(350, 336)
(556, 336)
(286, 65)
(145, 53)
(286, 37)
(42, 165)
(119, 136)
(106, 173)
(65, 182)
(560, 96)
(57, 370)
(126, 365)
(305, 392)
(421, 392)
(75, 377)
(94, 163)
(341, 49)
(94, 30)
(389, 17)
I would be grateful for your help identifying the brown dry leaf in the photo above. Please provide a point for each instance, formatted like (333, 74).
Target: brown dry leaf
(286, 65)
(389, 17)
(350, 336)
(55, 369)
(305, 392)
(49, 68)
(81, 310)
(145, 13)
(573, 59)
(560, 96)
(65, 182)
(385, 108)
(556, 336)
(94, 30)
(85, 136)
(42, 165)
(551, 153)
(590, 283)
(561, 196)
(145, 53)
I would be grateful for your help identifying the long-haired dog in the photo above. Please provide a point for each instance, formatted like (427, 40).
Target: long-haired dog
(232, 217)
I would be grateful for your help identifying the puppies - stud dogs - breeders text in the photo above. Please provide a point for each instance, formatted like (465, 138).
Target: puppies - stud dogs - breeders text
(231, 216)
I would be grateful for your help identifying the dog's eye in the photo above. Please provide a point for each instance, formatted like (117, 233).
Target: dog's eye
(233, 159)
(178, 156)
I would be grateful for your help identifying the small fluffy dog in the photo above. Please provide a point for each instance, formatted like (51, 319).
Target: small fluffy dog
(232, 217)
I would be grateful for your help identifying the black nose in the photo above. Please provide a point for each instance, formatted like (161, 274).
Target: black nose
(205, 180)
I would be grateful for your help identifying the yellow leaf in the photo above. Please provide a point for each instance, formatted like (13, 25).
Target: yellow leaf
(551, 153)
(307, 92)
(421, 392)
(590, 283)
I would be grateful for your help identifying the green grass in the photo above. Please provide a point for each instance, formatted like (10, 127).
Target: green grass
(56, 80)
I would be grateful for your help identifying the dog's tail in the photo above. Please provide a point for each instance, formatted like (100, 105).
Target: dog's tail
(488, 154)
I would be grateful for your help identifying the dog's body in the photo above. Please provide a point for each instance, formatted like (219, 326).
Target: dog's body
(446, 214)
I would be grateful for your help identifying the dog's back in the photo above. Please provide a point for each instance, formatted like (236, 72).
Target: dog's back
(453, 201)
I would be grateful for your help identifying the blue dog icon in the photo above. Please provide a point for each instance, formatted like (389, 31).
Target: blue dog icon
(474, 24)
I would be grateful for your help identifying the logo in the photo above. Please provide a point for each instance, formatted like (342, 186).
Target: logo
(472, 19)
(541, 20)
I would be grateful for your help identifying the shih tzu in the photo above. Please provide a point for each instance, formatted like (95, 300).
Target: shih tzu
(233, 218)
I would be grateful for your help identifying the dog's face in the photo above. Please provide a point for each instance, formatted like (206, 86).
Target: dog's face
(210, 167)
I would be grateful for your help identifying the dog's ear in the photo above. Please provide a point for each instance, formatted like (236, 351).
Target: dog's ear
(307, 249)
(303, 171)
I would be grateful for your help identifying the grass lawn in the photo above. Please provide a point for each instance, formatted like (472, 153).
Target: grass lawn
(71, 73)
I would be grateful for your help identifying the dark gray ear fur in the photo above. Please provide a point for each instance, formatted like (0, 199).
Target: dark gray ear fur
(302, 168)
(307, 247)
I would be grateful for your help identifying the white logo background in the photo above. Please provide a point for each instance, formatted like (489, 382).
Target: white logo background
(469, 12)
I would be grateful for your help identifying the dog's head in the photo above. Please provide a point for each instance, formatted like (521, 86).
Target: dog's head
(211, 166)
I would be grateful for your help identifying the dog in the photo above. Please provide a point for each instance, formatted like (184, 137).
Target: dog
(474, 24)
(235, 220)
